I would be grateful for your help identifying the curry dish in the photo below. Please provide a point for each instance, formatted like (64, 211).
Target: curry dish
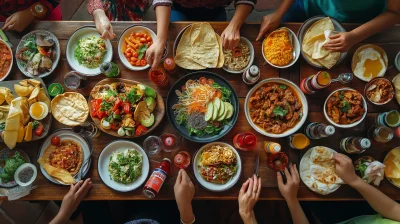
(275, 108)
(345, 107)
(5, 59)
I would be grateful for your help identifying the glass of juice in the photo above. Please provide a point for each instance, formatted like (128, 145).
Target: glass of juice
(298, 141)
(323, 78)
(393, 118)
(182, 160)
(380, 133)
(170, 142)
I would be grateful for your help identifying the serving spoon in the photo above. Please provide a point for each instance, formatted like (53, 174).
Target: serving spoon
(343, 78)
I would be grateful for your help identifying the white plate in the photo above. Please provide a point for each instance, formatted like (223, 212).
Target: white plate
(345, 125)
(304, 170)
(251, 49)
(104, 159)
(299, 93)
(64, 134)
(12, 60)
(296, 48)
(56, 47)
(213, 186)
(80, 33)
(121, 42)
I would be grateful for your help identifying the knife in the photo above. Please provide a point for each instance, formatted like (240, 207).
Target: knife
(4, 37)
(256, 165)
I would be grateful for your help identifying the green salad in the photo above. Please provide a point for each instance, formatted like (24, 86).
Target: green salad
(125, 166)
(90, 51)
(10, 166)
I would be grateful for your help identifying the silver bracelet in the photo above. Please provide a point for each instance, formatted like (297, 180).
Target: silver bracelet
(194, 220)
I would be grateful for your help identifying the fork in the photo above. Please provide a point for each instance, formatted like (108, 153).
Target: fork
(85, 163)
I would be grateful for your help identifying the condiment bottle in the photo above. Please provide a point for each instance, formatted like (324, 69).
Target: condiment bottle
(315, 82)
(157, 178)
(354, 145)
(169, 66)
(389, 119)
(380, 133)
(317, 130)
(298, 141)
(245, 141)
(109, 69)
(251, 75)
(159, 77)
(272, 147)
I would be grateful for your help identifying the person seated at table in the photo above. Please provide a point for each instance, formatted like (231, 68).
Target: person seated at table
(376, 16)
(206, 10)
(17, 15)
(105, 10)
(72, 200)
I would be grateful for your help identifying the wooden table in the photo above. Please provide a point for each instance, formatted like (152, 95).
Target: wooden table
(46, 190)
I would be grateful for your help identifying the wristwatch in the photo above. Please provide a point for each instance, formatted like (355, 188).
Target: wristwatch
(39, 10)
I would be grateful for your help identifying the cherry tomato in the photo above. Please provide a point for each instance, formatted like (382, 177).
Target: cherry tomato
(135, 54)
(140, 130)
(203, 80)
(127, 108)
(210, 81)
(55, 141)
(143, 40)
(137, 35)
(128, 55)
(183, 88)
(142, 62)
(216, 124)
(39, 130)
(115, 126)
(148, 39)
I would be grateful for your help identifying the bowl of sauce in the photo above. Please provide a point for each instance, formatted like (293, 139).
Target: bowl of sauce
(25, 174)
(38, 110)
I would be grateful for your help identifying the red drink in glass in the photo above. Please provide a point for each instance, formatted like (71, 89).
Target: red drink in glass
(182, 160)
(245, 141)
(170, 142)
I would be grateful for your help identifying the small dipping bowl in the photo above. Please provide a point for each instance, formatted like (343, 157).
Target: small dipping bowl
(28, 169)
(39, 106)
(371, 82)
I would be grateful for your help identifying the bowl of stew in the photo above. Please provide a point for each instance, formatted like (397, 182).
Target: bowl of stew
(6, 60)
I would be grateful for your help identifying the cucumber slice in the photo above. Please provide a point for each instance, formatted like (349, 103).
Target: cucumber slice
(209, 112)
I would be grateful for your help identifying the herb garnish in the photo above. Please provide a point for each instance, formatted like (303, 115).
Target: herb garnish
(279, 111)
(141, 51)
(282, 86)
(132, 96)
(345, 106)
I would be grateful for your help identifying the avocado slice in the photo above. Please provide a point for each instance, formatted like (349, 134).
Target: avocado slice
(209, 112)
(230, 111)
(217, 103)
(149, 92)
(147, 122)
(151, 103)
(221, 109)
(215, 111)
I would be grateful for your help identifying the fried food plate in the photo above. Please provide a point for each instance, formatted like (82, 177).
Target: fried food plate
(104, 160)
(85, 31)
(300, 96)
(213, 186)
(66, 134)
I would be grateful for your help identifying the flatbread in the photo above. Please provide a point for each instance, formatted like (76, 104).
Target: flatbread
(70, 108)
(221, 56)
(391, 169)
(318, 28)
(184, 61)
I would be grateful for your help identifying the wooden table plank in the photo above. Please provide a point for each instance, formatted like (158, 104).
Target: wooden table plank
(63, 30)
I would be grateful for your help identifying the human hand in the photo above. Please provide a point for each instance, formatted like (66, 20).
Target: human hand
(230, 37)
(341, 42)
(184, 193)
(19, 20)
(289, 190)
(345, 169)
(268, 24)
(154, 53)
(73, 198)
(103, 24)
(248, 197)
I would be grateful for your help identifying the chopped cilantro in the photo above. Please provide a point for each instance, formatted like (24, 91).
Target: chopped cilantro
(141, 51)
(279, 111)
(345, 106)
(282, 86)
(111, 93)
(105, 106)
(132, 96)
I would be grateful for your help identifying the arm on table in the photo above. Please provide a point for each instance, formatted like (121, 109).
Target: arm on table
(156, 50)
(289, 192)
(271, 22)
(380, 202)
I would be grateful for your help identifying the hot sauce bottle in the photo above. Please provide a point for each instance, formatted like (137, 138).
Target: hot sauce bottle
(157, 178)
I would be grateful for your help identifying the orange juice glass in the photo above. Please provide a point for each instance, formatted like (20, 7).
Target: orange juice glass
(299, 141)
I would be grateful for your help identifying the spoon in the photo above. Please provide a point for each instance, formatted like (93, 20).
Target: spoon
(343, 78)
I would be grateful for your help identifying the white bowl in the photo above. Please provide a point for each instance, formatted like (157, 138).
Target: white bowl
(23, 166)
(296, 49)
(345, 125)
(104, 160)
(45, 112)
(80, 33)
(12, 60)
(299, 93)
(121, 43)
(251, 48)
(212, 186)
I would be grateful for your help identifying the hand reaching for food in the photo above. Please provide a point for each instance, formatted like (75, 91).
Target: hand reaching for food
(341, 42)
(19, 20)
(248, 197)
(154, 53)
(268, 24)
(230, 37)
(345, 169)
(289, 190)
(103, 24)
(72, 200)
(184, 192)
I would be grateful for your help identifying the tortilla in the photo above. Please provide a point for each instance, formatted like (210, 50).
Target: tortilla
(391, 169)
(221, 57)
(70, 108)
(318, 28)
(184, 61)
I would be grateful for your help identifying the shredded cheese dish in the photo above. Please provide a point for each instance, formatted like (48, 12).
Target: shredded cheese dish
(277, 48)
(218, 155)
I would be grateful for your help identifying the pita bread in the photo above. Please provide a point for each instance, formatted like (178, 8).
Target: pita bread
(392, 162)
(70, 108)
(221, 57)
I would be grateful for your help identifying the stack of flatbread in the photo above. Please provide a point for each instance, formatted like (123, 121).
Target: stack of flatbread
(199, 48)
(314, 40)
(318, 172)
(392, 169)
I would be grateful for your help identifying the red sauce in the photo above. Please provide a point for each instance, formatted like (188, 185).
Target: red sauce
(5, 59)
(159, 77)
(277, 161)
(169, 65)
